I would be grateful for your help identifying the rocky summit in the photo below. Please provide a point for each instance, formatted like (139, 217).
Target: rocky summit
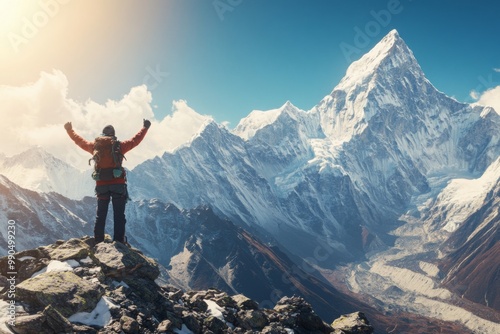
(76, 286)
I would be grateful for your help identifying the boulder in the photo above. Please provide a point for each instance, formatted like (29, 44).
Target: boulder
(72, 249)
(27, 263)
(245, 303)
(191, 321)
(129, 325)
(297, 313)
(28, 324)
(146, 288)
(165, 326)
(65, 291)
(224, 300)
(56, 321)
(215, 325)
(353, 323)
(118, 261)
(252, 319)
(196, 300)
(174, 319)
(274, 328)
(83, 329)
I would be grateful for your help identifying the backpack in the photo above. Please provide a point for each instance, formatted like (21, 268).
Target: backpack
(107, 158)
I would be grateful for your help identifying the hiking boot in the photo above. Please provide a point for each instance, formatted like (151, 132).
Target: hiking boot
(125, 242)
(97, 240)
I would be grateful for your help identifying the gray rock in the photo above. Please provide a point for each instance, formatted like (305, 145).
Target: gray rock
(65, 291)
(56, 320)
(175, 294)
(146, 288)
(176, 320)
(118, 261)
(252, 319)
(72, 249)
(83, 329)
(274, 329)
(295, 312)
(27, 263)
(191, 322)
(353, 323)
(215, 325)
(196, 301)
(165, 326)
(28, 324)
(245, 303)
(224, 300)
(129, 325)
(118, 295)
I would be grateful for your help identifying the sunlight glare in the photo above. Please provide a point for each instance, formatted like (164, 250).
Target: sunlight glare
(10, 14)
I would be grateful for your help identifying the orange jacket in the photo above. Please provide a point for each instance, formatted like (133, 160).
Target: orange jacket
(125, 146)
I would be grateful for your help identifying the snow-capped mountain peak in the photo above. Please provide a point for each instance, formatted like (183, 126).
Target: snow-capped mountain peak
(38, 170)
(463, 197)
(259, 119)
(205, 126)
(390, 52)
(384, 75)
(33, 156)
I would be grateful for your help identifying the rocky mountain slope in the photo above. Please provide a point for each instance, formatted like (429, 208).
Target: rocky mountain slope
(41, 218)
(75, 286)
(471, 266)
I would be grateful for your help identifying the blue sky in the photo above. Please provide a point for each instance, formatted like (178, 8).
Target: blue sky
(229, 57)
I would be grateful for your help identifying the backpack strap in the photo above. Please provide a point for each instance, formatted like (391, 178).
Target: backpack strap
(117, 153)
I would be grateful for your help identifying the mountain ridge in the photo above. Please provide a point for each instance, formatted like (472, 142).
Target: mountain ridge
(358, 173)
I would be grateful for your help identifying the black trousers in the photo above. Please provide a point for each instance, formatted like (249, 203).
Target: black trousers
(117, 194)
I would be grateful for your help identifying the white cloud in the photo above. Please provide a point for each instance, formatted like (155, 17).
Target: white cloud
(34, 115)
(179, 128)
(474, 94)
(496, 69)
(491, 98)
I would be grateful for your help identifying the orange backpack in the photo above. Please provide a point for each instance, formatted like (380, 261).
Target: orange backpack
(107, 158)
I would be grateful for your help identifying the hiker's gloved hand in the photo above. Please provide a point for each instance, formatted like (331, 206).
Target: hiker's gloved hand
(68, 126)
(147, 123)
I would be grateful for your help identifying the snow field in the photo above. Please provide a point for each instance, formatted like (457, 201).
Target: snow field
(410, 281)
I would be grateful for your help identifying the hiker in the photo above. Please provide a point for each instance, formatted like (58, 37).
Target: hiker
(110, 177)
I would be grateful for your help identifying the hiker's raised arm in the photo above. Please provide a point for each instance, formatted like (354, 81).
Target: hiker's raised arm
(84, 144)
(127, 145)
